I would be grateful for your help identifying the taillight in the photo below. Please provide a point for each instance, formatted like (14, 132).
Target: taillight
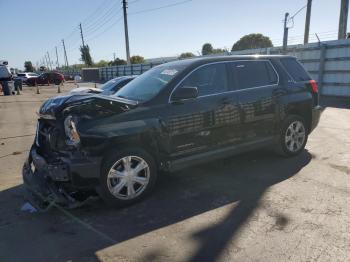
(314, 86)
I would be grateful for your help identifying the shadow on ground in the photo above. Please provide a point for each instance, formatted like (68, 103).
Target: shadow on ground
(182, 195)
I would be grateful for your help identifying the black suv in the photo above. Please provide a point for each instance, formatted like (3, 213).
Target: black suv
(175, 115)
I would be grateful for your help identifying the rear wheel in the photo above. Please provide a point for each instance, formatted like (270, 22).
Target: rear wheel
(293, 136)
(127, 177)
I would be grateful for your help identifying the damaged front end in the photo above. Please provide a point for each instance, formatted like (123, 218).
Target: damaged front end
(60, 169)
(53, 173)
(43, 193)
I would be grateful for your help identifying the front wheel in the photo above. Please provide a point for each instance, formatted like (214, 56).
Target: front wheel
(293, 136)
(127, 176)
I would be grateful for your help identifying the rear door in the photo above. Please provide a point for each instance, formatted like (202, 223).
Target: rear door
(256, 84)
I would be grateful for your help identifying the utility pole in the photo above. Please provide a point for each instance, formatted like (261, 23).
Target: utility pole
(47, 63)
(307, 22)
(285, 32)
(343, 19)
(65, 54)
(82, 40)
(48, 56)
(57, 64)
(126, 32)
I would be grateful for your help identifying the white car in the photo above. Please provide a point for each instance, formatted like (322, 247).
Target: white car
(25, 76)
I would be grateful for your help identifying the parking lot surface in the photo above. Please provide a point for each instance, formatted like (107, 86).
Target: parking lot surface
(253, 207)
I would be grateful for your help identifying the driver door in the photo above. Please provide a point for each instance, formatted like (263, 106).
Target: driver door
(189, 123)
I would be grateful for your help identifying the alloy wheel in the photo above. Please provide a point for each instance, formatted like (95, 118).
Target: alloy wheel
(295, 136)
(128, 177)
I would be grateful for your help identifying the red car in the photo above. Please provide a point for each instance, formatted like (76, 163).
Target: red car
(46, 79)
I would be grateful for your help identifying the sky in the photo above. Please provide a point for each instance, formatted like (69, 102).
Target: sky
(30, 29)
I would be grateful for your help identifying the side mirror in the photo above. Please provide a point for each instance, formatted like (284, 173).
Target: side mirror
(186, 92)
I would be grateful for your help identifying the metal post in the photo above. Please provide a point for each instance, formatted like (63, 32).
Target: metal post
(57, 64)
(126, 32)
(307, 22)
(343, 19)
(48, 56)
(17, 85)
(65, 53)
(47, 63)
(323, 50)
(285, 32)
(37, 88)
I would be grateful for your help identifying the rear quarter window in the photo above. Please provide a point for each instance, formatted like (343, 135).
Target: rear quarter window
(295, 69)
(251, 74)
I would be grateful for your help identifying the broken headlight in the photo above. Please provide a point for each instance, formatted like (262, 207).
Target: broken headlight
(70, 129)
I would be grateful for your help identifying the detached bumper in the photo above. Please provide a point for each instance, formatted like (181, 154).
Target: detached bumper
(46, 183)
(316, 115)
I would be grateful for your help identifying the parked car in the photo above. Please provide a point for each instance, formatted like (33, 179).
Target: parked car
(108, 88)
(25, 76)
(174, 115)
(46, 79)
(69, 77)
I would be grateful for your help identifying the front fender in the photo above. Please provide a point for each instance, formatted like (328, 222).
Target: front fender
(103, 136)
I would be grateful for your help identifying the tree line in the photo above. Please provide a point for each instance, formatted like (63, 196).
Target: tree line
(250, 41)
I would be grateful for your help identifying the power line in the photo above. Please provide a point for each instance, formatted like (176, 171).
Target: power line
(297, 12)
(110, 12)
(161, 7)
(96, 11)
(132, 2)
(106, 21)
(106, 29)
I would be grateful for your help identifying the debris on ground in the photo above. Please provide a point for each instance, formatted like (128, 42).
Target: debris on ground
(27, 207)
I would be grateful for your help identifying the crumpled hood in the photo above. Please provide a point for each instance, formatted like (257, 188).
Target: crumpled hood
(86, 90)
(85, 102)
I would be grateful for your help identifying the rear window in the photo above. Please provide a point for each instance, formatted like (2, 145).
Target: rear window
(250, 74)
(295, 70)
(21, 74)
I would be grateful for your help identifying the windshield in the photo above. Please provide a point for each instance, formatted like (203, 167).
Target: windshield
(150, 83)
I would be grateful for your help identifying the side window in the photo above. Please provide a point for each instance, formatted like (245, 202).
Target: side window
(295, 69)
(250, 74)
(209, 79)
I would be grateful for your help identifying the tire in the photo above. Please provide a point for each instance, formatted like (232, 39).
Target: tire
(293, 136)
(119, 187)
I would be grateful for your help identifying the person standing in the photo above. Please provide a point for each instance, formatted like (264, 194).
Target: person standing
(5, 77)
